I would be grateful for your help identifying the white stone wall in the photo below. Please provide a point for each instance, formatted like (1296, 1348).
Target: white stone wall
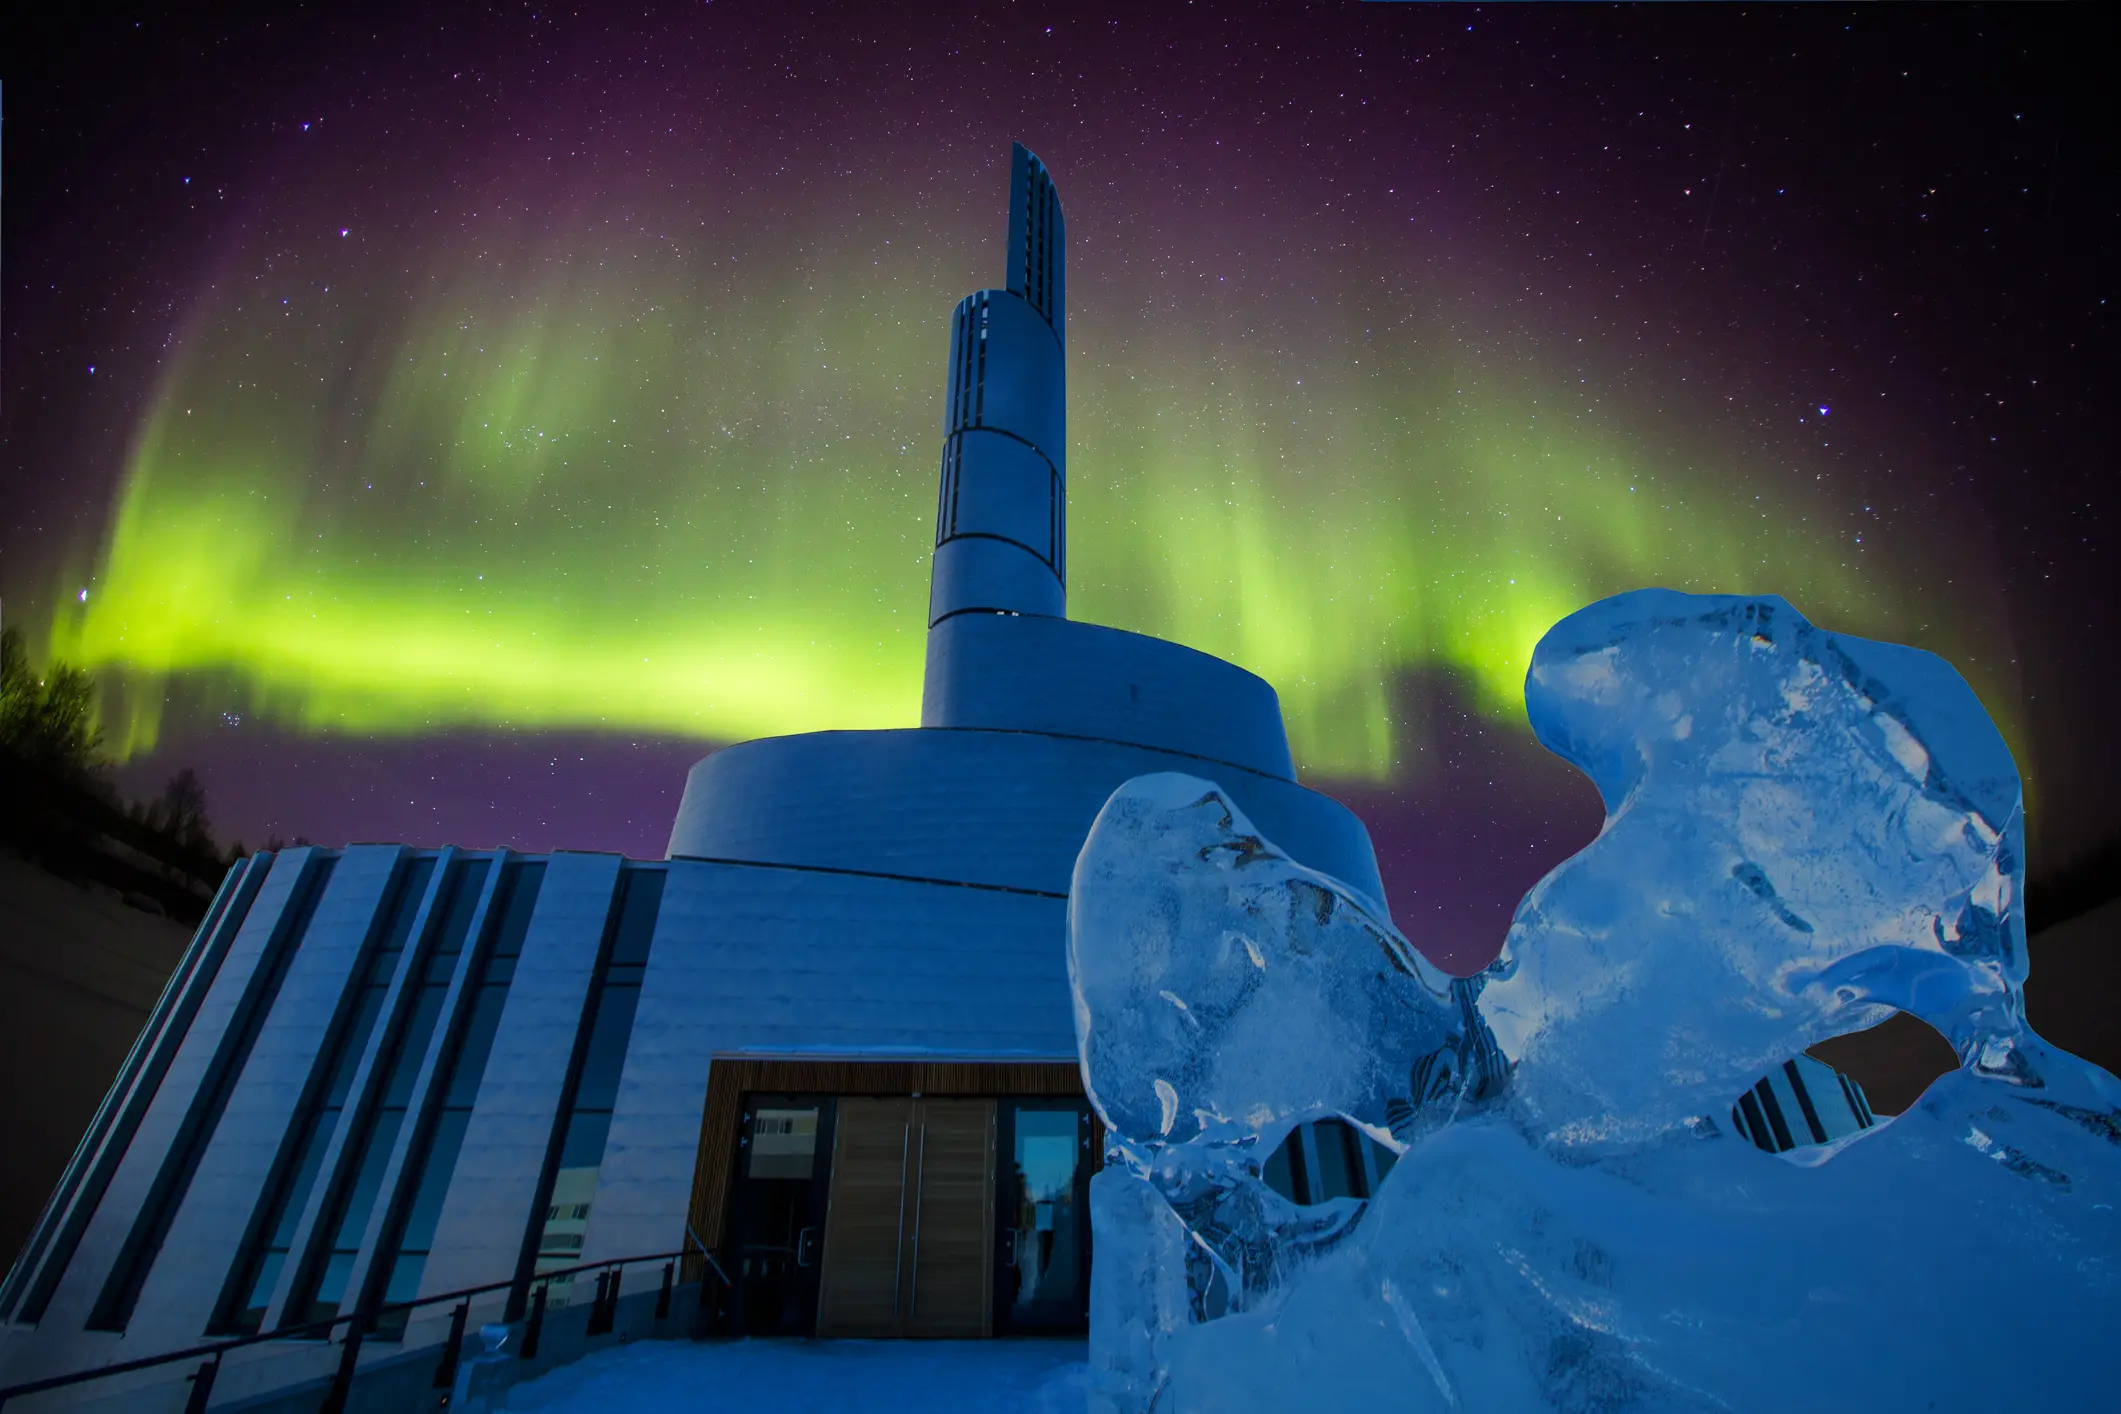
(488, 1204)
(372, 1060)
(424, 1096)
(745, 960)
(785, 962)
(994, 807)
(1027, 673)
(186, 1281)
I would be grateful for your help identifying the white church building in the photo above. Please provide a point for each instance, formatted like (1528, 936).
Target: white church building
(829, 1039)
(825, 1048)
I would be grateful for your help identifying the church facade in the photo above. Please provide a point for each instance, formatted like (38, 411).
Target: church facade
(826, 1045)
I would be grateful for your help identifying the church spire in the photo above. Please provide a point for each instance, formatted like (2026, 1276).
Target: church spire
(1001, 508)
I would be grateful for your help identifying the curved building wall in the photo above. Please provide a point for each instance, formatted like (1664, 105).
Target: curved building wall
(999, 809)
(1037, 235)
(1075, 679)
(1000, 527)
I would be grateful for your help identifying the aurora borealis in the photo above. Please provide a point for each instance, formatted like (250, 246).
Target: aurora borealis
(518, 376)
(451, 546)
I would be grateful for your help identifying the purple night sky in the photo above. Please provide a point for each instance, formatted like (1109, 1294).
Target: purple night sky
(1702, 225)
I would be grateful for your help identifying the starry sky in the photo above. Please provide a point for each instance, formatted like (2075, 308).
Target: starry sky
(447, 424)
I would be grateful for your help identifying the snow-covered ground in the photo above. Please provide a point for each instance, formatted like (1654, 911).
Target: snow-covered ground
(802, 1376)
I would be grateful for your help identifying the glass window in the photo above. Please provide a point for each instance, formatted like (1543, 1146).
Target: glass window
(331, 1287)
(1339, 1171)
(470, 1069)
(425, 1210)
(322, 1287)
(644, 898)
(412, 1043)
(272, 1228)
(409, 1235)
(1331, 1165)
(783, 1143)
(608, 1036)
(1279, 1172)
(561, 1221)
(586, 1134)
(1042, 1210)
(361, 1196)
(1045, 1236)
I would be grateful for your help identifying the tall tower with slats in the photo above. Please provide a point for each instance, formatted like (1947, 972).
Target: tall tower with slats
(1001, 524)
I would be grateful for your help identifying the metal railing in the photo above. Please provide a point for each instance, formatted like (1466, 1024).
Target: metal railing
(603, 1315)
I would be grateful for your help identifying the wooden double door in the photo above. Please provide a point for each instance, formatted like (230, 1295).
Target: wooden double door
(909, 1232)
(866, 1199)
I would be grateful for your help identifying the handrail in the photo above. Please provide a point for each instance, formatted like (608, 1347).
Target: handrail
(709, 1256)
(309, 1329)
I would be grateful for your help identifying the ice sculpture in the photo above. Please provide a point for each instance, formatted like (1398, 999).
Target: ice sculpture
(1256, 991)
(1224, 994)
(1803, 829)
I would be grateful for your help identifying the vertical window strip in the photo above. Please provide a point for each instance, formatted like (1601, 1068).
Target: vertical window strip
(1756, 1126)
(335, 1242)
(1337, 1167)
(263, 1254)
(979, 388)
(1772, 1108)
(1031, 291)
(1863, 1104)
(954, 401)
(953, 473)
(1038, 284)
(971, 366)
(567, 1185)
(1300, 1178)
(1056, 508)
(961, 404)
(942, 495)
(121, 1291)
(95, 1159)
(1856, 1105)
(1383, 1159)
(1804, 1102)
(408, 1235)
(1045, 246)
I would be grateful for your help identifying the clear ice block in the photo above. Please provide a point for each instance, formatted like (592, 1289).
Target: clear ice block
(1803, 831)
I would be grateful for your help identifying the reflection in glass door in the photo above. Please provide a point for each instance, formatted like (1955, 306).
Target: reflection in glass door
(777, 1212)
(1043, 1212)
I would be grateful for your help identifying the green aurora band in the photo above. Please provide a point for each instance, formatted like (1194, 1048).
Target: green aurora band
(588, 477)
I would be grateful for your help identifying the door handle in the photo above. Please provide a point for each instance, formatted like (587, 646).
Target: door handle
(1008, 1246)
(806, 1247)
